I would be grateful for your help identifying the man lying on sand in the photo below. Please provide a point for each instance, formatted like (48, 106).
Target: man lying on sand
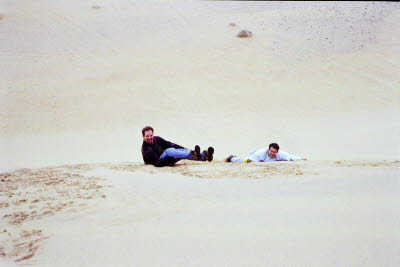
(263, 155)
(160, 152)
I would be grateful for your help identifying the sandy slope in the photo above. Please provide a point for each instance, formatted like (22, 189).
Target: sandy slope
(78, 82)
(299, 213)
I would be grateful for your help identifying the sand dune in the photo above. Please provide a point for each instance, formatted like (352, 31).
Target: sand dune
(312, 73)
(102, 213)
(80, 79)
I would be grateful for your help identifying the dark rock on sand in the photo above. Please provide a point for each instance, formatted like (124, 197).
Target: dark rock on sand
(244, 34)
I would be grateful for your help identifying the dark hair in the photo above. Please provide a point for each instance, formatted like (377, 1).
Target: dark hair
(147, 128)
(274, 145)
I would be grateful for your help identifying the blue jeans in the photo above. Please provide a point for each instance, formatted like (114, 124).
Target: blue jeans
(179, 153)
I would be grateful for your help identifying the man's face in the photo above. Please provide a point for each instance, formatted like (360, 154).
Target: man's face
(272, 152)
(148, 136)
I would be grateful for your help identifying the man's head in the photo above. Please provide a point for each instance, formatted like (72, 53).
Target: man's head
(147, 133)
(272, 150)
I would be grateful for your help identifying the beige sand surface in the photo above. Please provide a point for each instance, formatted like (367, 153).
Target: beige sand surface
(78, 84)
(126, 214)
(79, 80)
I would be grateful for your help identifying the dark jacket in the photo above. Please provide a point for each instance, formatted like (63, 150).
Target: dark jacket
(151, 152)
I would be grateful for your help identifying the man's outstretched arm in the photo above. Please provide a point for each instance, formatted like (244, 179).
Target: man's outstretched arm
(284, 156)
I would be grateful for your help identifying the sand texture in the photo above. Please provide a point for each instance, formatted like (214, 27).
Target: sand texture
(80, 79)
(103, 214)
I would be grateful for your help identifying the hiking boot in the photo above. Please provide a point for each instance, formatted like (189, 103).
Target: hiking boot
(228, 159)
(208, 155)
(197, 150)
(193, 155)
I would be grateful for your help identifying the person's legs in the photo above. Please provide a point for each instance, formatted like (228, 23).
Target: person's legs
(179, 153)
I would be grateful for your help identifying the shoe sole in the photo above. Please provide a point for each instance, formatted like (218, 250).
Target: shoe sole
(197, 150)
(193, 154)
(205, 154)
(210, 151)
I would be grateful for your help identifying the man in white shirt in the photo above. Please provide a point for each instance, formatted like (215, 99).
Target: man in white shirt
(264, 155)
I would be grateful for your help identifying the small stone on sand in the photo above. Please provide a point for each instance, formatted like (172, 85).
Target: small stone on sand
(244, 34)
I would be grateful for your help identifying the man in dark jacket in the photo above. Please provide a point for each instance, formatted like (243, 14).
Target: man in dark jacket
(160, 152)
